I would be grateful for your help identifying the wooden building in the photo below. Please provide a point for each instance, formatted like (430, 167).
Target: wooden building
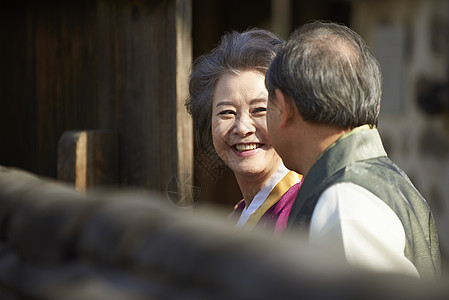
(106, 80)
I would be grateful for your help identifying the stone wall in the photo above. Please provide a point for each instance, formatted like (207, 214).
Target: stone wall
(411, 40)
(56, 243)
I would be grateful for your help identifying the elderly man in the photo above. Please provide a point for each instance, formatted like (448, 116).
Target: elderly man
(325, 91)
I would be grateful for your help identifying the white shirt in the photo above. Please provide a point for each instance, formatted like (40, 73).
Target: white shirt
(351, 219)
(262, 195)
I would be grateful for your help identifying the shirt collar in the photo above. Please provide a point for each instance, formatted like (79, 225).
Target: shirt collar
(361, 143)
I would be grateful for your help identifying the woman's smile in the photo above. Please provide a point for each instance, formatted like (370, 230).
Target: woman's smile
(246, 147)
(239, 125)
(246, 150)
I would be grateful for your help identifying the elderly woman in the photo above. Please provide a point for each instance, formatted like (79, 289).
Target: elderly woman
(228, 102)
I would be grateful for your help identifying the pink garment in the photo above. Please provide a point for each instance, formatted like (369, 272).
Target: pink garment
(277, 216)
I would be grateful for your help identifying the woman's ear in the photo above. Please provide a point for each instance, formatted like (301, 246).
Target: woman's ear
(287, 107)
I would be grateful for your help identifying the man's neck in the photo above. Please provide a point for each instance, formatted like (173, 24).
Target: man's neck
(321, 137)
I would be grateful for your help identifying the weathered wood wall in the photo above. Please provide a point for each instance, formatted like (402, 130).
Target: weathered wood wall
(115, 65)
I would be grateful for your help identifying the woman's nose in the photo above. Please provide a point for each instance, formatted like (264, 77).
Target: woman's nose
(244, 125)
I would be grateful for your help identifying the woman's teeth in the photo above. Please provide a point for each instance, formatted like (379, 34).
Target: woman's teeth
(246, 147)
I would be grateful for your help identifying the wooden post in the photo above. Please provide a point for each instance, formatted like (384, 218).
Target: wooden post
(183, 26)
(88, 158)
(281, 17)
(143, 70)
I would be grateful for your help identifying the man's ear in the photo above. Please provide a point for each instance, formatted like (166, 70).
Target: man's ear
(286, 105)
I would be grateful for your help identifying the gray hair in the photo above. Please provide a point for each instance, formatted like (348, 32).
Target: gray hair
(330, 73)
(253, 49)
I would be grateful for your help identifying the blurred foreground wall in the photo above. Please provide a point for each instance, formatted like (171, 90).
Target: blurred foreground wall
(58, 244)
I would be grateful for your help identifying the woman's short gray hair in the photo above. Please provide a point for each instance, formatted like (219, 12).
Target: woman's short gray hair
(330, 73)
(253, 49)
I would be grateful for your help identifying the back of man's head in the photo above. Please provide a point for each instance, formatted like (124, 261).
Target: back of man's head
(330, 73)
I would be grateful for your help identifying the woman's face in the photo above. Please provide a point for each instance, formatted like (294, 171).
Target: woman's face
(239, 127)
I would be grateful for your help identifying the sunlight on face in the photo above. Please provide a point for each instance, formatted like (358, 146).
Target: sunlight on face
(239, 126)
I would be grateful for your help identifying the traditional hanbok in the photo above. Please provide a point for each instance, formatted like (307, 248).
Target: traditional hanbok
(271, 206)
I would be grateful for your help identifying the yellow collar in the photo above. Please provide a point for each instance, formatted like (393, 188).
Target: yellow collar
(290, 179)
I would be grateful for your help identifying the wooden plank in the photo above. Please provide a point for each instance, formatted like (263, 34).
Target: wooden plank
(281, 17)
(18, 103)
(142, 86)
(184, 125)
(88, 158)
(65, 86)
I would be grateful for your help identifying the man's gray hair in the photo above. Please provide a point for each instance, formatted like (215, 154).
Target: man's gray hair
(330, 73)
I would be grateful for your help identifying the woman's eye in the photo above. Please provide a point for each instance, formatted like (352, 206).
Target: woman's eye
(259, 110)
(227, 112)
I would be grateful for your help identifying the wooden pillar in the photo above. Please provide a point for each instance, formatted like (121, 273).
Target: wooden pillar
(144, 57)
(142, 62)
(184, 137)
(281, 17)
(88, 158)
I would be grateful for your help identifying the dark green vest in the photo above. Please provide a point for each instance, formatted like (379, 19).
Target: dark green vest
(360, 158)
